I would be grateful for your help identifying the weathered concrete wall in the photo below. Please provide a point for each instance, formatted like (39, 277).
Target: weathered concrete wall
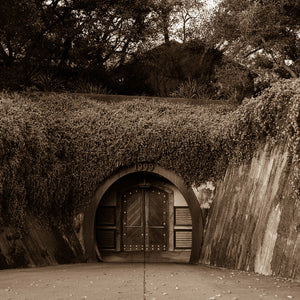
(40, 245)
(254, 222)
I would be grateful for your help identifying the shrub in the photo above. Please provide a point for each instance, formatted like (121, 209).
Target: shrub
(233, 82)
(56, 149)
(190, 89)
(47, 82)
(90, 88)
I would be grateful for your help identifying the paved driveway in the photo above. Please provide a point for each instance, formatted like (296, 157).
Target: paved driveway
(141, 281)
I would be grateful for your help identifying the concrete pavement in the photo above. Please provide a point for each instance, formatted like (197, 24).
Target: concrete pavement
(151, 281)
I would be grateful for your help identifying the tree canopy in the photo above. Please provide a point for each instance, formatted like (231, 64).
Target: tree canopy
(82, 36)
(265, 29)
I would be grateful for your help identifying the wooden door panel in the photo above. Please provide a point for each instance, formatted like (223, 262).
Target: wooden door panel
(133, 239)
(157, 208)
(157, 239)
(132, 220)
(144, 220)
(157, 220)
(132, 210)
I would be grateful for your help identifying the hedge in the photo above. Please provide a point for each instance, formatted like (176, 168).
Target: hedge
(55, 149)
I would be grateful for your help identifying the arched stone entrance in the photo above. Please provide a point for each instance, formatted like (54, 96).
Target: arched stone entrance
(89, 231)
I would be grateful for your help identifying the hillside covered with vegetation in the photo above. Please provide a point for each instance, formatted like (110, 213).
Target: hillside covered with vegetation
(55, 149)
(92, 46)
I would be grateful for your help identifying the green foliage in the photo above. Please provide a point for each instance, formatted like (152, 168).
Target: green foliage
(273, 116)
(67, 35)
(47, 83)
(190, 89)
(232, 81)
(91, 88)
(182, 70)
(56, 149)
(247, 30)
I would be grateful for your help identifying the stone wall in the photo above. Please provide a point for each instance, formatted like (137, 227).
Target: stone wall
(254, 221)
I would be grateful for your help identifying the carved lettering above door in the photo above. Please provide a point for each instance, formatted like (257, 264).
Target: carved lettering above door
(144, 166)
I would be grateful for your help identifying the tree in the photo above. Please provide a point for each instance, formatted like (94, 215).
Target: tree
(175, 18)
(69, 34)
(18, 24)
(250, 28)
(188, 15)
(110, 30)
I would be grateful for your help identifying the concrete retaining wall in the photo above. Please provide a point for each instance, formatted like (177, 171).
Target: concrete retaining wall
(39, 245)
(254, 222)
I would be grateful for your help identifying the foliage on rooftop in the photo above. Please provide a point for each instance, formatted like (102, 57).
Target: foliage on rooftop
(55, 149)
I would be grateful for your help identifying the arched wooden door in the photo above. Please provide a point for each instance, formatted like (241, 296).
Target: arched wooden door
(144, 225)
(143, 218)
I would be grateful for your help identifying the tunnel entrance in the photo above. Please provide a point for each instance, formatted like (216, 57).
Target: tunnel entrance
(144, 236)
(143, 217)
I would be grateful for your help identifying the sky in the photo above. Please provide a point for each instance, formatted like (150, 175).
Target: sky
(212, 3)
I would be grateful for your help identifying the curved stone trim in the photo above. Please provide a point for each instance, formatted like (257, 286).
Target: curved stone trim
(186, 191)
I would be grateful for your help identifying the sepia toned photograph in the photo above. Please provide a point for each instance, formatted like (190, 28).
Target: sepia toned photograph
(149, 149)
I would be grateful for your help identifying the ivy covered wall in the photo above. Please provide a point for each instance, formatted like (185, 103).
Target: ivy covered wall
(56, 149)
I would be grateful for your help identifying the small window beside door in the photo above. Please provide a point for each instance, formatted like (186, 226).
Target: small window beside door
(106, 227)
(182, 228)
(182, 216)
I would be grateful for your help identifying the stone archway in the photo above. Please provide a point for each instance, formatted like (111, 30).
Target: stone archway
(177, 181)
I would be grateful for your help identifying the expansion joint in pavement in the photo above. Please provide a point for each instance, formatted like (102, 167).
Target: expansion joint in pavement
(144, 279)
